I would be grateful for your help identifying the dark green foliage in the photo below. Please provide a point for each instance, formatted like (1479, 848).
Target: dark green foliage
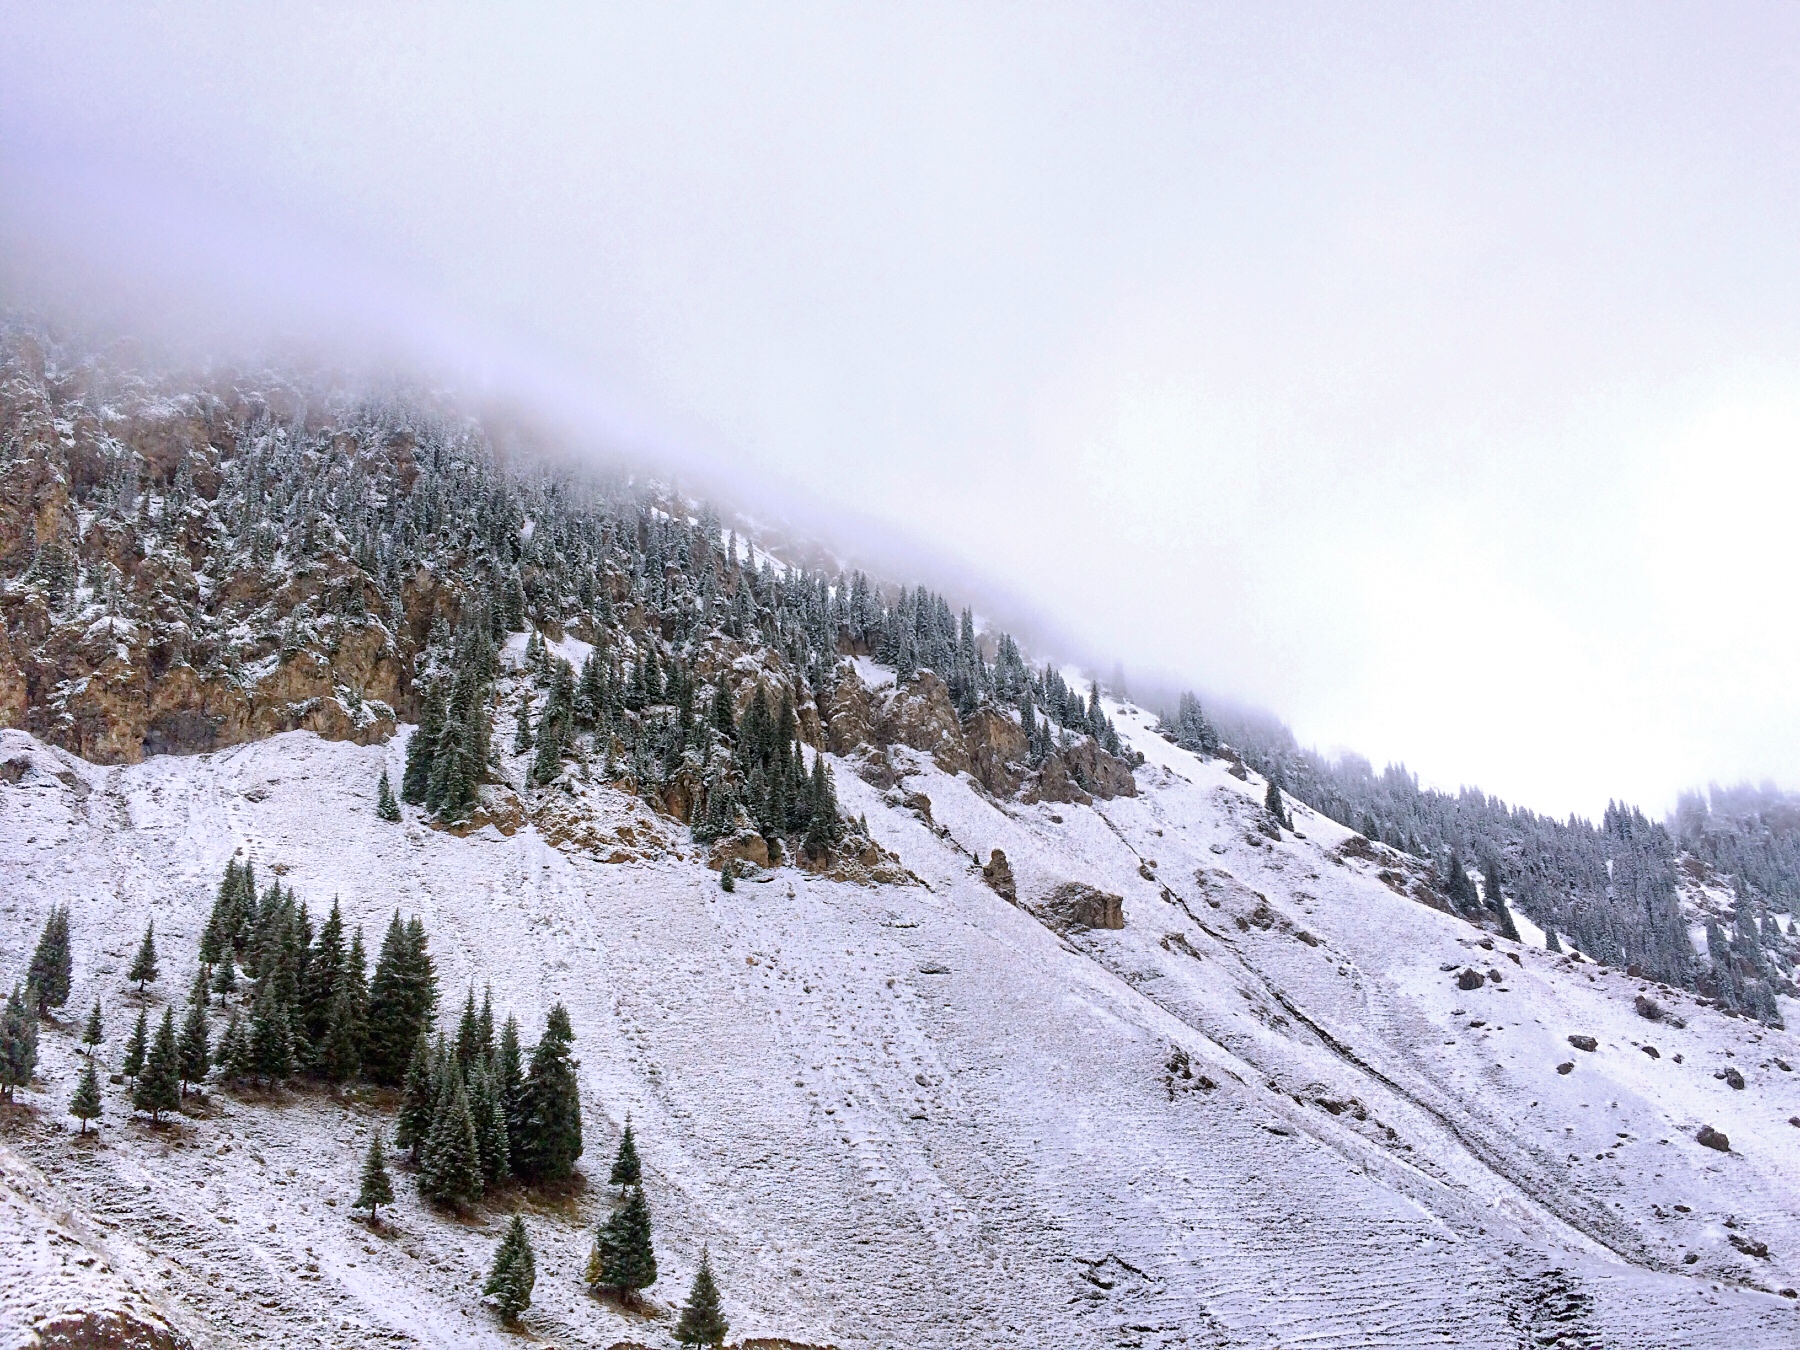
(489, 1119)
(224, 982)
(417, 778)
(159, 1086)
(450, 1161)
(701, 1322)
(270, 1039)
(194, 1057)
(522, 739)
(1458, 887)
(385, 806)
(1550, 941)
(402, 996)
(514, 1274)
(509, 1087)
(626, 1170)
(727, 881)
(376, 1190)
(49, 971)
(18, 1042)
(85, 1105)
(94, 1031)
(136, 1045)
(143, 965)
(624, 1258)
(417, 1099)
(550, 1106)
(232, 1054)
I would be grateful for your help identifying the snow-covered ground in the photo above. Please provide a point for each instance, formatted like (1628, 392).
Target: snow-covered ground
(915, 1116)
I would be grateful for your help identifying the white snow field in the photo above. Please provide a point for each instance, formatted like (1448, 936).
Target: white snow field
(914, 1116)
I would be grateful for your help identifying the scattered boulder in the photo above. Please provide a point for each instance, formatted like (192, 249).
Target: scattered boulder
(1712, 1138)
(1651, 1051)
(1794, 1121)
(1075, 904)
(1732, 1077)
(1470, 979)
(1566, 1068)
(1749, 1246)
(1587, 1043)
(1648, 1008)
(998, 874)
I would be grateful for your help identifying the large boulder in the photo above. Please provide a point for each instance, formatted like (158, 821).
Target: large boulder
(1075, 905)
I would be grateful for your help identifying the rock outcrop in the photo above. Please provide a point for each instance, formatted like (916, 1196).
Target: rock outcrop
(998, 874)
(1076, 905)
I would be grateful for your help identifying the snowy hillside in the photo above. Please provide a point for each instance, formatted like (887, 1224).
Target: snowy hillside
(1261, 1113)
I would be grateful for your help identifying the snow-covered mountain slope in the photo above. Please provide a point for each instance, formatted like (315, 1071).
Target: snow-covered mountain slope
(1262, 1113)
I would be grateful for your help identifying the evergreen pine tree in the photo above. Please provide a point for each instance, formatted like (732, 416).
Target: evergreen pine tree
(18, 1042)
(626, 1170)
(1550, 942)
(340, 1050)
(727, 881)
(1274, 805)
(522, 739)
(514, 1274)
(159, 1086)
(490, 1125)
(95, 1030)
(194, 1056)
(468, 1032)
(385, 806)
(269, 1042)
(402, 995)
(86, 1103)
(509, 1087)
(224, 982)
(231, 1055)
(550, 1106)
(136, 1045)
(377, 1190)
(417, 1097)
(49, 970)
(701, 1321)
(143, 966)
(450, 1163)
(624, 1258)
(420, 746)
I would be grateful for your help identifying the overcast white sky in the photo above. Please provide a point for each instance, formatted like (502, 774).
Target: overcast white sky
(1427, 375)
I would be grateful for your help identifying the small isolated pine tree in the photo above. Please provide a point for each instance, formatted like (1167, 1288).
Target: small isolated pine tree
(376, 1190)
(135, 1046)
(95, 1030)
(701, 1321)
(224, 982)
(624, 1259)
(159, 1086)
(86, 1103)
(514, 1274)
(18, 1042)
(49, 972)
(143, 966)
(385, 806)
(1550, 942)
(1273, 803)
(727, 881)
(626, 1170)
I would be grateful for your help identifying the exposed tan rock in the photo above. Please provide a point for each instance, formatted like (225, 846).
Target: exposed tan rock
(921, 716)
(997, 750)
(1075, 905)
(998, 874)
(847, 716)
(745, 846)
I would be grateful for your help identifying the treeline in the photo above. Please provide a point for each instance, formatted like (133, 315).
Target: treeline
(1607, 888)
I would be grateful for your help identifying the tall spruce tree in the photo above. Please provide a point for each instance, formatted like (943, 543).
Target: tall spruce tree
(49, 970)
(550, 1106)
(136, 1046)
(18, 1043)
(514, 1273)
(417, 1098)
(490, 1125)
(195, 1056)
(701, 1322)
(159, 1086)
(402, 995)
(450, 1163)
(143, 965)
(94, 1032)
(376, 1190)
(85, 1105)
(624, 1258)
(509, 1087)
(269, 1042)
